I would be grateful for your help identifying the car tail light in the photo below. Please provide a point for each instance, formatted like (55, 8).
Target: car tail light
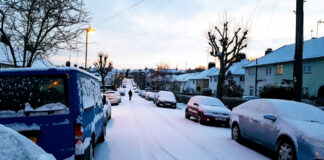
(78, 139)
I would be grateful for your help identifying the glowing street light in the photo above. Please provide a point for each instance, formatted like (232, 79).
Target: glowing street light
(86, 55)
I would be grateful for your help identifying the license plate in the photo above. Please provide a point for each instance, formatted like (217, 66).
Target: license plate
(34, 139)
(220, 119)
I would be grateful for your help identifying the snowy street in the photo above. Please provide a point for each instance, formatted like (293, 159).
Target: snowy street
(140, 130)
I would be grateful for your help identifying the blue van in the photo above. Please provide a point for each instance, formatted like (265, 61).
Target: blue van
(60, 109)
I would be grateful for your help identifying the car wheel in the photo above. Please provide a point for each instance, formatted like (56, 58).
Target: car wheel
(236, 133)
(109, 117)
(91, 152)
(102, 136)
(187, 114)
(200, 120)
(286, 150)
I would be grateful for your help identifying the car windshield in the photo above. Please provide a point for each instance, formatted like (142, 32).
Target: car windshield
(209, 101)
(299, 111)
(19, 94)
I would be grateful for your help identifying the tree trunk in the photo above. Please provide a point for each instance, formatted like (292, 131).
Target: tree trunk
(103, 83)
(220, 83)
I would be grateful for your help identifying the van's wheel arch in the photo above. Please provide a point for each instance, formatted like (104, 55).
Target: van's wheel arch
(102, 136)
(285, 149)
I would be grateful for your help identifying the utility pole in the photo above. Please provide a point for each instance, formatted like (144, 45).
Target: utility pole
(298, 63)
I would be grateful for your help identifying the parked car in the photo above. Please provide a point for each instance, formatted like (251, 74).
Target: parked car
(121, 91)
(26, 149)
(60, 109)
(142, 93)
(166, 99)
(150, 96)
(113, 97)
(207, 110)
(106, 109)
(293, 130)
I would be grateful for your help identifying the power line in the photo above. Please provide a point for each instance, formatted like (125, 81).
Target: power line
(121, 12)
(253, 13)
(270, 21)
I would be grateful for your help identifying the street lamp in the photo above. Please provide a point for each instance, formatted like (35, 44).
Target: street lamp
(318, 22)
(86, 54)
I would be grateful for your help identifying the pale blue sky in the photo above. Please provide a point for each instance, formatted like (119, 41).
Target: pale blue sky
(173, 30)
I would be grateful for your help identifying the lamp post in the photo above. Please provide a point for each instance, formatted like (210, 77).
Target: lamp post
(86, 54)
(318, 22)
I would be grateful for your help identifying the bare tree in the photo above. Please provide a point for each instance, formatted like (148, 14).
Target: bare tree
(103, 66)
(37, 29)
(226, 46)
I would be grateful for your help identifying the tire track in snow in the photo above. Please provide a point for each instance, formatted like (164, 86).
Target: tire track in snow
(151, 139)
(190, 138)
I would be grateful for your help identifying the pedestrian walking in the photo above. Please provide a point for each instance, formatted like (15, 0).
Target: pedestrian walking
(130, 93)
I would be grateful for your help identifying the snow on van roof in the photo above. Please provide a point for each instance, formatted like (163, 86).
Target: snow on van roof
(313, 48)
(4, 70)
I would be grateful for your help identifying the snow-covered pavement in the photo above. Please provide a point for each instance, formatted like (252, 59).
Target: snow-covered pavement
(140, 130)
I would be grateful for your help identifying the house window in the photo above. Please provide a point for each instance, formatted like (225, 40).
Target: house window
(251, 90)
(279, 69)
(242, 78)
(215, 79)
(305, 90)
(268, 70)
(307, 67)
(194, 82)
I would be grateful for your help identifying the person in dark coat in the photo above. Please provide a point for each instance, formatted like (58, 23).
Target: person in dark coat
(130, 93)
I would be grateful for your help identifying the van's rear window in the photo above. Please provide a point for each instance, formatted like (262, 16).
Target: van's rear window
(33, 95)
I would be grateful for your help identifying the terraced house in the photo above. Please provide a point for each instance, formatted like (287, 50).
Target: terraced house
(276, 68)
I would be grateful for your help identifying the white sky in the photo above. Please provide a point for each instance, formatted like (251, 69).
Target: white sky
(173, 30)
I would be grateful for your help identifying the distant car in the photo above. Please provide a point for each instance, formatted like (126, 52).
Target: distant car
(112, 97)
(150, 96)
(250, 97)
(16, 146)
(207, 110)
(141, 93)
(118, 96)
(166, 99)
(293, 130)
(121, 91)
(106, 109)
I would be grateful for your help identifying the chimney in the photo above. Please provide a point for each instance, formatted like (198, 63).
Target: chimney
(211, 65)
(269, 50)
(67, 64)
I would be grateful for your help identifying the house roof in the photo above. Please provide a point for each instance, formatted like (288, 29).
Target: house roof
(184, 77)
(313, 48)
(204, 74)
(235, 69)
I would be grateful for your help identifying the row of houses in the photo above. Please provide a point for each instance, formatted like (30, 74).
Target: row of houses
(274, 68)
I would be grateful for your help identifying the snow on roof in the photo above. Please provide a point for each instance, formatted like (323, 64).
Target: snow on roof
(184, 77)
(313, 48)
(236, 68)
(204, 74)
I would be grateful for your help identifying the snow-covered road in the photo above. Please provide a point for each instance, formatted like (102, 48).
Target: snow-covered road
(140, 130)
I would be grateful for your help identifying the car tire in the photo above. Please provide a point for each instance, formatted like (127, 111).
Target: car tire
(285, 150)
(236, 133)
(200, 121)
(91, 151)
(102, 136)
(187, 114)
(109, 117)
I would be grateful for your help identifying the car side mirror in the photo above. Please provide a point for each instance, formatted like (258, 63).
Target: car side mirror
(270, 117)
(196, 104)
(104, 100)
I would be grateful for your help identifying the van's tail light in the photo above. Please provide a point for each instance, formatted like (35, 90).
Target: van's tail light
(78, 139)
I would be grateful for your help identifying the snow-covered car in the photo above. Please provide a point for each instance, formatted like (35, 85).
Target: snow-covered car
(292, 129)
(54, 107)
(166, 99)
(142, 93)
(121, 91)
(106, 109)
(113, 97)
(16, 146)
(207, 110)
(150, 96)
